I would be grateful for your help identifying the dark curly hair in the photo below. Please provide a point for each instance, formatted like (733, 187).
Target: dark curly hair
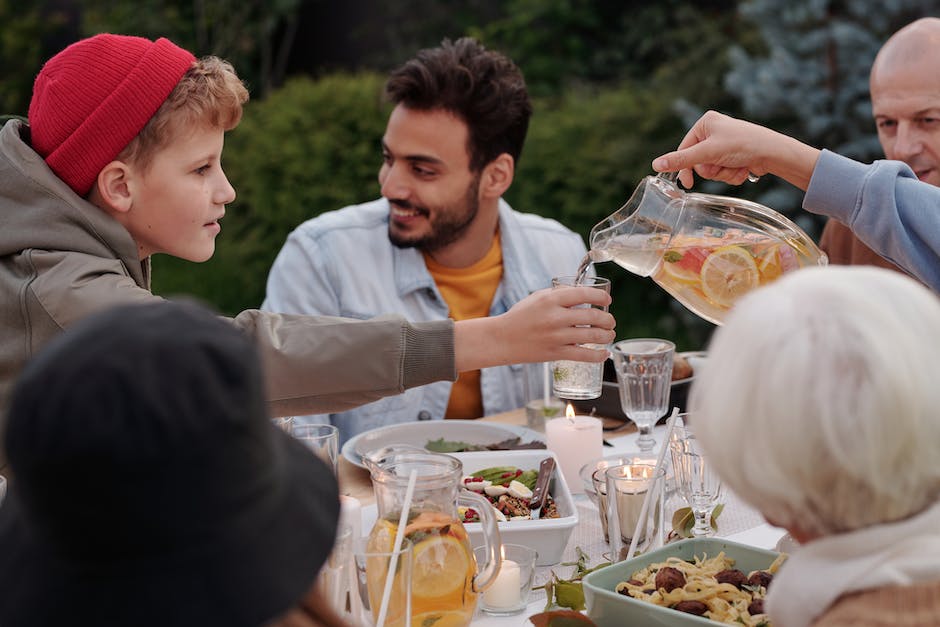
(483, 88)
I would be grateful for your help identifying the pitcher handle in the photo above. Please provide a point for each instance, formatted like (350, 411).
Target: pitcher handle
(486, 574)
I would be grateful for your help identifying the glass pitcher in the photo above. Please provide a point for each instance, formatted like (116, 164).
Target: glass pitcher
(445, 582)
(705, 250)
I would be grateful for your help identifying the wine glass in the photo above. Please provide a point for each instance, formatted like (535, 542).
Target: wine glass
(695, 478)
(644, 374)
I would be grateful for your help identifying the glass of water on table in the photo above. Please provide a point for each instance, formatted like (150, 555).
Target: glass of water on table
(579, 380)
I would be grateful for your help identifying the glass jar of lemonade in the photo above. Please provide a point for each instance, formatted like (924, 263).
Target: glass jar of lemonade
(445, 581)
(705, 250)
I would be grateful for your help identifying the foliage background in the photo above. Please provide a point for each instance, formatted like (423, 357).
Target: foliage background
(614, 82)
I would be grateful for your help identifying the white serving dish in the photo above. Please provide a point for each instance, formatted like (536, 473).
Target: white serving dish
(548, 536)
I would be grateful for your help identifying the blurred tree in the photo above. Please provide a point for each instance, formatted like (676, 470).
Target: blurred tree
(22, 50)
(560, 42)
(809, 79)
(256, 36)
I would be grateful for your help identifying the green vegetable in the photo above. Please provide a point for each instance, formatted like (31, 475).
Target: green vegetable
(672, 256)
(450, 446)
(495, 473)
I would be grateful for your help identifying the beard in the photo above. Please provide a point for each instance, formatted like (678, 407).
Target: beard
(448, 225)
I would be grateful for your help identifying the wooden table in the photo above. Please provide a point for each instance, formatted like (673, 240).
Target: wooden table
(354, 481)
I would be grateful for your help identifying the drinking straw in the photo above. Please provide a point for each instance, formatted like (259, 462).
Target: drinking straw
(670, 423)
(399, 536)
(546, 386)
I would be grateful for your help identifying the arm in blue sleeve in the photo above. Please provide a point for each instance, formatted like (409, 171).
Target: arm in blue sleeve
(887, 208)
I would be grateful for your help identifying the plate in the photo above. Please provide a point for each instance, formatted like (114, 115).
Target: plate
(607, 608)
(418, 434)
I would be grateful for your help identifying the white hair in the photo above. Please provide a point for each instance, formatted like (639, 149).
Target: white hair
(819, 403)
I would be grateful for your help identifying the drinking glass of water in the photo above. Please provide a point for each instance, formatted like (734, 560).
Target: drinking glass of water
(644, 375)
(579, 379)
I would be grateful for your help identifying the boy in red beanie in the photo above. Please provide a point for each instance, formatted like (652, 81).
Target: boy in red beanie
(121, 159)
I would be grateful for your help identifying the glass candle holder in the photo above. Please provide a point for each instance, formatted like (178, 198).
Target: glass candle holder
(509, 593)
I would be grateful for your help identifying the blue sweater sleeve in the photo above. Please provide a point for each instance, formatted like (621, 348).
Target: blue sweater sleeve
(886, 207)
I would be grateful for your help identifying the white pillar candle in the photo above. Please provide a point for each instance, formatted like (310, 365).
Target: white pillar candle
(629, 505)
(506, 589)
(575, 441)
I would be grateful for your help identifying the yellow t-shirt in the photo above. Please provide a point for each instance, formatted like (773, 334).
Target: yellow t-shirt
(468, 293)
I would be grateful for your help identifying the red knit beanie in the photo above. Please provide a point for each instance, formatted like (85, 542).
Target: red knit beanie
(93, 98)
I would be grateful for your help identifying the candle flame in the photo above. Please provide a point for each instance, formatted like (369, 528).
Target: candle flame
(569, 412)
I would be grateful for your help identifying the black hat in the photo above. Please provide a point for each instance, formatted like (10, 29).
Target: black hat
(149, 486)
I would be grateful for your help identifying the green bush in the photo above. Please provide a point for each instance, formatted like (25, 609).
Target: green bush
(314, 146)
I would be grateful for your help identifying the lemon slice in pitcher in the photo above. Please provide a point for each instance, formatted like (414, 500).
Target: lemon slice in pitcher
(729, 273)
(441, 566)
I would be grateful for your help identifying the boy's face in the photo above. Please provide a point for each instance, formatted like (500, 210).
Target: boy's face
(178, 200)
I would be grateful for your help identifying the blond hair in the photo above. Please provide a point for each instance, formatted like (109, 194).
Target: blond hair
(210, 94)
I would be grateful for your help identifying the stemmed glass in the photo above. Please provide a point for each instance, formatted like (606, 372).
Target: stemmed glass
(644, 374)
(695, 478)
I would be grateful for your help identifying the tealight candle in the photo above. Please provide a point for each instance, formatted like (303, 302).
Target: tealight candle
(505, 591)
(575, 440)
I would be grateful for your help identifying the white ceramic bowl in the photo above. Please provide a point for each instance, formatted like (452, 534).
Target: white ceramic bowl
(548, 536)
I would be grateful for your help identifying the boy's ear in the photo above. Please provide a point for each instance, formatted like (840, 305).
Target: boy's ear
(497, 176)
(113, 186)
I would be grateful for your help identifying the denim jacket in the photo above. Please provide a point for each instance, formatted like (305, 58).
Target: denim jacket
(341, 263)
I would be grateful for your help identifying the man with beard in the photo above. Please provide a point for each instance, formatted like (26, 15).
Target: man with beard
(440, 242)
(905, 99)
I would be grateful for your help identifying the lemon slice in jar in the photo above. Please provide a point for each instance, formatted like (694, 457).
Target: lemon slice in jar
(441, 566)
(727, 274)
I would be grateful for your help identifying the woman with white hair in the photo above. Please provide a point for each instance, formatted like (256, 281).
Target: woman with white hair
(820, 406)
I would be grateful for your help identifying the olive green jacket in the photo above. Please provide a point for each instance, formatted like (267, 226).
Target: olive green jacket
(62, 258)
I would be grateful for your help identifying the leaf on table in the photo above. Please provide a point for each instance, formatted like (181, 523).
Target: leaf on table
(561, 618)
(683, 520)
(569, 594)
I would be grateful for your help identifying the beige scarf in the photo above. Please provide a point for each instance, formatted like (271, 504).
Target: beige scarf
(894, 554)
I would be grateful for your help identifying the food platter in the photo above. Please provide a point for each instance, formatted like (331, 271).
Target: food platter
(420, 433)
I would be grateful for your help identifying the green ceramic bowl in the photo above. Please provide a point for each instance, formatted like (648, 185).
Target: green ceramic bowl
(609, 609)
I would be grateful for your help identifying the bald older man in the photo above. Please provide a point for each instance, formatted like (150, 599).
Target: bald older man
(905, 95)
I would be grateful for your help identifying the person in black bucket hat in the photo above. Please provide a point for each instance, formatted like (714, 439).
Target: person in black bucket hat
(149, 485)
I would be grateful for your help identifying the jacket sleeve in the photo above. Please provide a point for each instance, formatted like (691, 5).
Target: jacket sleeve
(886, 207)
(323, 364)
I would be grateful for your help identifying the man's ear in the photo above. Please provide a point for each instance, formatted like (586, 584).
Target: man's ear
(113, 190)
(497, 176)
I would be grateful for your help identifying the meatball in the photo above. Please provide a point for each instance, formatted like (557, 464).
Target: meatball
(691, 607)
(733, 576)
(669, 578)
(760, 578)
(756, 607)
